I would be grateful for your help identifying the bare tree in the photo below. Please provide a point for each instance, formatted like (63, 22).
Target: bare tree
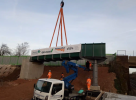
(4, 50)
(22, 49)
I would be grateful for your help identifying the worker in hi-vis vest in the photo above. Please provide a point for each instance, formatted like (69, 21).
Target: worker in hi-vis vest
(49, 74)
(88, 83)
(90, 65)
(62, 76)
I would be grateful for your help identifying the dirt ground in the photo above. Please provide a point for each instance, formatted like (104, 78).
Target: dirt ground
(12, 76)
(23, 89)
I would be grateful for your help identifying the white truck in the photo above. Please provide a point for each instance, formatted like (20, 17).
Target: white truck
(52, 89)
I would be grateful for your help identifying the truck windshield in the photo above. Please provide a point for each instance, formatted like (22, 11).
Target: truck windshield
(43, 86)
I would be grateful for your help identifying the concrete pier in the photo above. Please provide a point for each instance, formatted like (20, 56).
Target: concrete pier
(31, 70)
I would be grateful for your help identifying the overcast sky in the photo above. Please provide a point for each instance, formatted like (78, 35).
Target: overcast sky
(110, 21)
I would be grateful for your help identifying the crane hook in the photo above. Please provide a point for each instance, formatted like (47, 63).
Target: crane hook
(62, 4)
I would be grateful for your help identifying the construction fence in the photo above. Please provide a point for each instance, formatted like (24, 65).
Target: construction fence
(12, 60)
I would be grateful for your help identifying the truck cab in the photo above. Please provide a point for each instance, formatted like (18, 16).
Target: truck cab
(48, 89)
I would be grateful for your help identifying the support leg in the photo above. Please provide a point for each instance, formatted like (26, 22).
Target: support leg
(95, 74)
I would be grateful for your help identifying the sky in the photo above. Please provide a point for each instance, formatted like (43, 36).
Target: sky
(87, 21)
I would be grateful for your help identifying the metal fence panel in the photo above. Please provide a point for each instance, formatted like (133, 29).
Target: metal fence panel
(1, 59)
(82, 62)
(6, 60)
(14, 60)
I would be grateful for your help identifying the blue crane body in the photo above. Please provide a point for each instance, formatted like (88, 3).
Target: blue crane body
(73, 66)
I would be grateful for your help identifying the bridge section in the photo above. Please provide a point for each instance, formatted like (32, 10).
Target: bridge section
(91, 51)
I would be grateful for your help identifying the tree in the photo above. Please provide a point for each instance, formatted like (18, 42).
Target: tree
(4, 50)
(22, 49)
